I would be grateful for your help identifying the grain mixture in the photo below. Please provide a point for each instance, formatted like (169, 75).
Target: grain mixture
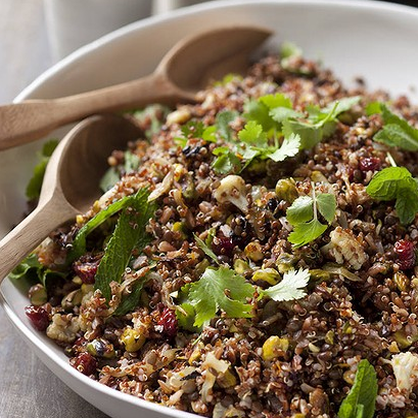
(220, 188)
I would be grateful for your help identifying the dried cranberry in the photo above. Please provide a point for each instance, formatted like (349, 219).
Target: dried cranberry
(168, 322)
(86, 268)
(38, 316)
(405, 250)
(85, 363)
(369, 164)
(222, 245)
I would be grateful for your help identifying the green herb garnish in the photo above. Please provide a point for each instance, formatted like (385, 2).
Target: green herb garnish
(360, 401)
(303, 216)
(396, 132)
(219, 288)
(33, 189)
(396, 183)
(32, 271)
(291, 286)
(206, 249)
(113, 174)
(129, 235)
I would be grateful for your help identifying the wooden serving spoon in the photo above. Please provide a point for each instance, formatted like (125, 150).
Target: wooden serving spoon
(71, 183)
(183, 71)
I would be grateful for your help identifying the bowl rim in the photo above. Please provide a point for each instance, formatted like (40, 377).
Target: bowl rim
(30, 334)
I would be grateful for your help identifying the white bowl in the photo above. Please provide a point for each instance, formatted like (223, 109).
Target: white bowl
(355, 38)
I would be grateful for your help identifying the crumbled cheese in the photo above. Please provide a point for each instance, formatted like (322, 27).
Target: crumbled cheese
(405, 368)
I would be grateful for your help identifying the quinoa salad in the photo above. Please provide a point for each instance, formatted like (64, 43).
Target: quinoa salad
(253, 254)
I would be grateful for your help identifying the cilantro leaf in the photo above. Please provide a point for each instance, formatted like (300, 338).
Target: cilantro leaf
(289, 148)
(226, 162)
(291, 286)
(186, 315)
(309, 134)
(260, 110)
(280, 114)
(303, 216)
(327, 205)
(152, 116)
(220, 288)
(223, 120)
(301, 210)
(396, 183)
(253, 134)
(304, 233)
(129, 234)
(33, 189)
(361, 400)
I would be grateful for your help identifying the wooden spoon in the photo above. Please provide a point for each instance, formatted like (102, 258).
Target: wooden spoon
(184, 70)
(71, 183)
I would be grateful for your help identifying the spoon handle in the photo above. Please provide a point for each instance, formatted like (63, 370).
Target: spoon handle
(26, 236)
(24, 122)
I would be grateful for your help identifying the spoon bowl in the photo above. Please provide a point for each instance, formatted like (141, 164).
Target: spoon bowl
(182, 72)
(71, 183)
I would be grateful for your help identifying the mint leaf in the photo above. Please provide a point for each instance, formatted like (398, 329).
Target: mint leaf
(304, 233)
(220, 288)
(396, 183)
(129, 235)
(129, 302)
(361, 400)
(289, 148)
(291, 286)
(79, 244)
(327, 205)
(300, 211)
(33, 189)
(397, 132)
(205, 248)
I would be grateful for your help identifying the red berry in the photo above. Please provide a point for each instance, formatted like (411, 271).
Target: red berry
(38, 316)
(86, 268)
(168, 322)
(369, 164)
(85, 363)
(222, 245)
(405, 250)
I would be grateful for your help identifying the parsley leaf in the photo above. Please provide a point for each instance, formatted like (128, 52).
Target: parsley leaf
(219, 288)
(129, 235)
(396, 183)
(291, 286)
(360, 401)
(303, 216)
(33, 189)
(397, 132)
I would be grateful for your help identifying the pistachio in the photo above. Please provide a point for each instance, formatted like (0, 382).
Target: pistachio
(268, 275)
(274, 347)
(37, 295)
(72, 299)
(253, 251)
(285, 262)
(241, 266)
(401, 280)
(226, 380)
(132, 339)
(100, 348)
(286, 190)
